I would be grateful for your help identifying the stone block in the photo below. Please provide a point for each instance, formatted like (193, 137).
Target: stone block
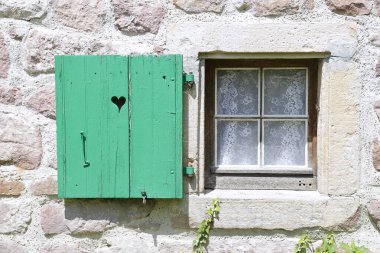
(286, 210)
(25, 10)
(350, 7)
(377, 8)
(7, 245)
(338, 128)
(80, 226)
(198, 6)
(43, 44)
(4, 57)
(377, 108)
(91, 216)
(275, 7)
(248, 37)
(309, 4)
(14, 216)
(376, 40)
(10, 187)
(10, 95)
(47, 186)
(88, 15)
(53, 219)
(374, 211)
(378, 67)
(137, 17)
(20, 142)
(43, 101)
(376, 155)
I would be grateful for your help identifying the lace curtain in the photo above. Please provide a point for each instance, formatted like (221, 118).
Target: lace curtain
(282, 140)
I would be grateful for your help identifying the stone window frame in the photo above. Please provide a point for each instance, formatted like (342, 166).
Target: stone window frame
(260, 181)
(339, 90)
(335, 204)
(332, 204)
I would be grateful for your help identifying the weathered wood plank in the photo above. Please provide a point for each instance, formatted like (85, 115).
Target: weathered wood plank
(118, 126)
(85, 87)
(156, 126)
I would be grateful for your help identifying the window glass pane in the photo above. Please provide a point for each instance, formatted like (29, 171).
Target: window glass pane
(284, 142)
(237, 142)
(285, 91)
(237, 92)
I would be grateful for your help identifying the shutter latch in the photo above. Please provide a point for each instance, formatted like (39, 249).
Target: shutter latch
(188, 80)
(144, 197)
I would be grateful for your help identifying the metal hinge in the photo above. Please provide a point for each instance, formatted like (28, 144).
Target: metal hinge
(188, 171)
(188, 80)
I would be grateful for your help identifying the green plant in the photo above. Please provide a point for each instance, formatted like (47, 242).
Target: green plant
(328, 244)
(203, 232)
(303, 245)
(353, 248)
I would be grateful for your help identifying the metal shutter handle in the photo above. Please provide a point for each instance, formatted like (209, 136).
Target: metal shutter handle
(83, 137)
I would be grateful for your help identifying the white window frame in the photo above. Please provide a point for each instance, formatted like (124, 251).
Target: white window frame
(260, 118)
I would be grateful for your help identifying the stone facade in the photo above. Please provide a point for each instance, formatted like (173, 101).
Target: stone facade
(343, 34)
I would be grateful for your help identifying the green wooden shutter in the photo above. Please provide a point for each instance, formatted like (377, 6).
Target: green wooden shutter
(123, 162)
(156, 126)
(91, 128)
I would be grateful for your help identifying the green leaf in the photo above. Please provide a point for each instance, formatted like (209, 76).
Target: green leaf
(353, 248)
(203, 233)
(303, 244)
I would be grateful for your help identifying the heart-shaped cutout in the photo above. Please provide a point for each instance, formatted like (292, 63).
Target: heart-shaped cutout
(119, 102)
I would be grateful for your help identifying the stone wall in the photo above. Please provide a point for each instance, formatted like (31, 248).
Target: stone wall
(33, 219)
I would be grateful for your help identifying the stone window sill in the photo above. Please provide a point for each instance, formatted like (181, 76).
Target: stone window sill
(266, 209)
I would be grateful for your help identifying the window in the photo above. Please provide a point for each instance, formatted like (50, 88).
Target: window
(260, 124)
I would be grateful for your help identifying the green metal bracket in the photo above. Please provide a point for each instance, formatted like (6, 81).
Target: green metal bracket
(188, 80)
(188, 171)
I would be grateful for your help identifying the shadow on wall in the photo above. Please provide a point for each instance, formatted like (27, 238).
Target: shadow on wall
(90, 218)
